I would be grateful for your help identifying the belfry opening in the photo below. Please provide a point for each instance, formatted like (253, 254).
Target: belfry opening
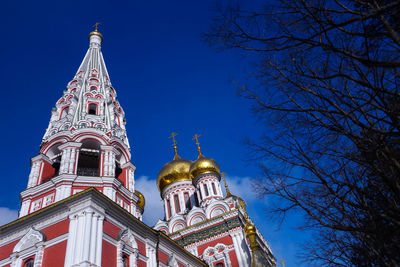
(89, 158)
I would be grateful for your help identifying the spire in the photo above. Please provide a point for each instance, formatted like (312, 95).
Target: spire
(228, 193)
(95, 36)
(196, 137)
(176, 156)
(90, 100)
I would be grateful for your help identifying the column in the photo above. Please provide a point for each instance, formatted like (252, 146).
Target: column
(87, 246)
(99, 239)
(93, 238)
(238, 249)
(39, 255)
(34, 174)
(84, 243)
(69, 157)
(108, 154)
(133, 258)
(71, 240)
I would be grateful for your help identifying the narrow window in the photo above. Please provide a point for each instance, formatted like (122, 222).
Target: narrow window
(214, 189)
(187, 201)
(196, 200)
(177, 205)
(169, 208)
(206, 190)
(125, 261)
(93, 109)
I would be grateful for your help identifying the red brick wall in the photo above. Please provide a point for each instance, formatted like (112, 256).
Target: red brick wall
(109, 255)
(54, 256)
(110, 229)
(56, 229)
(48, 172)
(6, 250)
(227, 240)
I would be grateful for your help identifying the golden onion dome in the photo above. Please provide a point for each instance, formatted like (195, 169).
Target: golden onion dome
(141, 201)
(203, 165)
(174, 171)
(249, 228)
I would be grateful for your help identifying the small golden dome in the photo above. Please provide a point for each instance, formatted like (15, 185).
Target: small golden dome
(249, 228)
(96, 32)
(141, 201)
(203, 165)
(173, 171)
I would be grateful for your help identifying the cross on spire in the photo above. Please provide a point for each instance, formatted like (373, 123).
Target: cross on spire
(283, 262)
(173, 135)
(196, 137)
(96, 25)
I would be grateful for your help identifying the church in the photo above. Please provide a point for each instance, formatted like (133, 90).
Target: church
(81, 207)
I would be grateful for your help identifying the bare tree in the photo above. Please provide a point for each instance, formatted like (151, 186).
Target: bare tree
(328, 93)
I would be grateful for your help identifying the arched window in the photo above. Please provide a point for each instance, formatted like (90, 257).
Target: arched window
(206, 190)
(29, 263)
(219, 264)
(214, 189)
(177, 205)
(196, 199)
(187, 200)
(92, 109)
(93, 88)
(169, 208)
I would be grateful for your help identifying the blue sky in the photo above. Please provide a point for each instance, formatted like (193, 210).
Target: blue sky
(166, 79)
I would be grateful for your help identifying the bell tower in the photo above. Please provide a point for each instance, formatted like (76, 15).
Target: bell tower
(85, 144)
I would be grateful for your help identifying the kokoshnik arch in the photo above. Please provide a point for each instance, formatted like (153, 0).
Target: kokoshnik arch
(81, 208)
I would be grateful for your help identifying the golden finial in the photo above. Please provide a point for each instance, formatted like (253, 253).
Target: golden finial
(283, 262)
(173, 135)
(96, 32)
(96, 25)
(243, 205)
(196, 136)
(228, 193)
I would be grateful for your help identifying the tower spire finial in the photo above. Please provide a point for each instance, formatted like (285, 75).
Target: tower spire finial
(173, 135)
(96, 25)
(95, 36)
(196, 137)
(228, 192)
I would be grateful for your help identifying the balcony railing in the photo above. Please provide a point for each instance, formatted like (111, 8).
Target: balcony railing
(88, 172)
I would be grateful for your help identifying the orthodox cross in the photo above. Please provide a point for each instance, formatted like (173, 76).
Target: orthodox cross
(96, 25)
(173, 135)
(228, 193)
(196, 136)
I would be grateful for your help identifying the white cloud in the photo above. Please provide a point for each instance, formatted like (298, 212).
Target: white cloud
(7, 215)
(154, 208)
(241, 187)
